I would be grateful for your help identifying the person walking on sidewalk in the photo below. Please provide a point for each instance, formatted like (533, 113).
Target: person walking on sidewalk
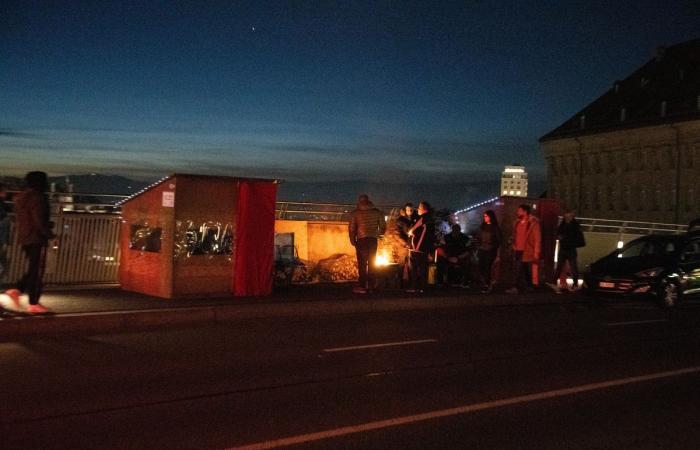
(366, 225)
(34, 233)
(570, 238)
(527, 244)
(422, 245)
(4, 232)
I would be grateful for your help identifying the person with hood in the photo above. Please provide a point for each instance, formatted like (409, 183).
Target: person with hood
(33, 234)
(366, 225)
(422, 245)
(527, 247)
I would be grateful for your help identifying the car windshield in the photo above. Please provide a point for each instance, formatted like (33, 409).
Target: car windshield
(648, 247)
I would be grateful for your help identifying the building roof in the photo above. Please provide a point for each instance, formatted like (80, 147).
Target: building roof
(672, 76)
(191, 175)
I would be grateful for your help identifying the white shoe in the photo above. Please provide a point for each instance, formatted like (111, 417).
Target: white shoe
(14, 296)
(37, 309)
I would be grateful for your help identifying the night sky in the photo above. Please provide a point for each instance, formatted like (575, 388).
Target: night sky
(404, 100)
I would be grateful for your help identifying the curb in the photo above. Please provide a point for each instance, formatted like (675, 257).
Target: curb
(140, 320)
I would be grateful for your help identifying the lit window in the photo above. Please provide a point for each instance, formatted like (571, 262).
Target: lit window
(518, 192)
(505, 192)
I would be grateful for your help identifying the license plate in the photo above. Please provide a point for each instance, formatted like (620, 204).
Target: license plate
(606, 285)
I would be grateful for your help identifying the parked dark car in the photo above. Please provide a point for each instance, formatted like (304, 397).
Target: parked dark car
(666, 267)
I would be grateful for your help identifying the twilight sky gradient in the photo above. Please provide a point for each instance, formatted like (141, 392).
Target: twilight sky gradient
(330, 96)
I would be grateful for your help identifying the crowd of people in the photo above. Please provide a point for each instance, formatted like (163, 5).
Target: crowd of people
(454, 258)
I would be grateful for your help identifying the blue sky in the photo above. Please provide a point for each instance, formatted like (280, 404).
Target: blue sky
(404, 93)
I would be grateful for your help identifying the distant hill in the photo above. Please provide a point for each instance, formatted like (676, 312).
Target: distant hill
(100, 184)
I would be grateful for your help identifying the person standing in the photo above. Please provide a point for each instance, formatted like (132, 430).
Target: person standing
(454, 258)
(422, 245)
(489, 244)
(404, 223)
(527, 245)
(4, 232)
(366, 225)
(33, 233)
(570, 238)
(4, 239)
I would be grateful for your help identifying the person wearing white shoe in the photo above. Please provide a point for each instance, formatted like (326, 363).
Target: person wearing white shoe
(5, 242)
(33, 233)
(570, 238)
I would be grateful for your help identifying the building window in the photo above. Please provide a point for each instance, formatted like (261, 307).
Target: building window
(552, 167)
(611, 198)
(656, 200)
(670, 157)
(639, 156)
(656, 157)
(642, 200)
(689, 156)
(671, 200)
(596, 163)
(690, 199)
(610, 162)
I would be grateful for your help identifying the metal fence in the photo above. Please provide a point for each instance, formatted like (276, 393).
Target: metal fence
(629, 226)
(87, 251)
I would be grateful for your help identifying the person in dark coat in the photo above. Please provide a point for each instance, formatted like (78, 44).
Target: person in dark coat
(405, 221)
(4, 231)
(489, 243)
(570, 238)
(366, 225)
(33, 234)
(422, 245)
(454, 258)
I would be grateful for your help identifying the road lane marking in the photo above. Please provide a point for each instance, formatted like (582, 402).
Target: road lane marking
(638, 307)
(635, 322)
(406, 420)
(386, 344)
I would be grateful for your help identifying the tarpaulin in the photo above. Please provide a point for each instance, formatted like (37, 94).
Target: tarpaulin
(255, 238)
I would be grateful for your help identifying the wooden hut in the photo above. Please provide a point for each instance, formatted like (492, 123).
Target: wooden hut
(196, 236)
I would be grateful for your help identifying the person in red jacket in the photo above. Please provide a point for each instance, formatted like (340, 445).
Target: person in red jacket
(33, 234)
(527, 246)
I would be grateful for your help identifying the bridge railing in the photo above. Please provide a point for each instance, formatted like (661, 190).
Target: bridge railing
(630, 226)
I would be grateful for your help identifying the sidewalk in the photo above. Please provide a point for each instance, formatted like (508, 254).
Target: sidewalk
(94, 311)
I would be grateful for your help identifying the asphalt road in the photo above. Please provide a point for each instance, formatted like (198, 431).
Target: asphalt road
(620, 375)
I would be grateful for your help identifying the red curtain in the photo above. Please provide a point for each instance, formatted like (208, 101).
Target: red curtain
(255, 238)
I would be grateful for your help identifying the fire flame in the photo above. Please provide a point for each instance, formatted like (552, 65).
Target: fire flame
(382, 258)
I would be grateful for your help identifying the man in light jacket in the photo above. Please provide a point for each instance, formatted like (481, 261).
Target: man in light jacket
(527, 247)
(366, 225)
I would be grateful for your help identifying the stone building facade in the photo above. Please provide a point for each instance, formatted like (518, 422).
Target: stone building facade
(634, 153)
